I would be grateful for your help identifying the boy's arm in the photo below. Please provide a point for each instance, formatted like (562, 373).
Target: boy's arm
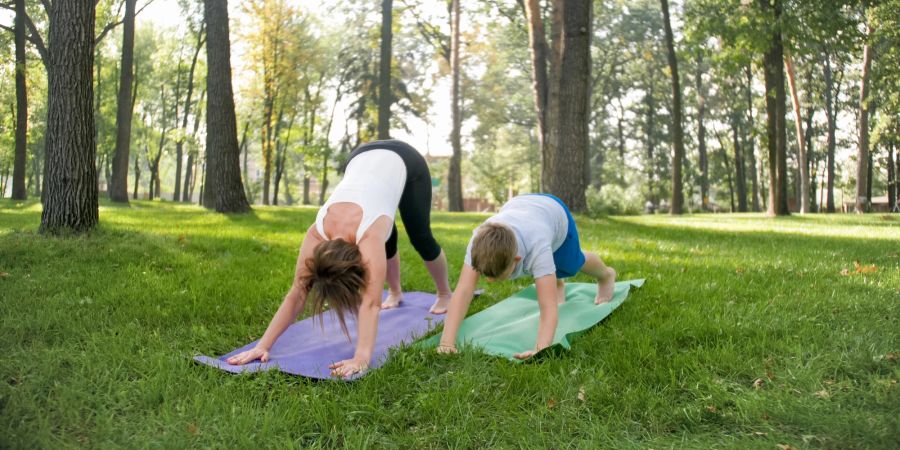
(459, 304)
(290, 308)
(547, 301)
(369, 309)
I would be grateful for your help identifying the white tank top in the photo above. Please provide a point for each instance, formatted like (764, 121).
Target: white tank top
(374, 181)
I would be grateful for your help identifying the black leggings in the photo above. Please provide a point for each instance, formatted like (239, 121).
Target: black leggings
(415, 203)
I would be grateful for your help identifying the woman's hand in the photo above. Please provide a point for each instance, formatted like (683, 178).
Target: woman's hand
(249, 356)
(525, 355)
(348, 367)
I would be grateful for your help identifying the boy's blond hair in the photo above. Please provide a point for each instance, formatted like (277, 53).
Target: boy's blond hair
(493, 249)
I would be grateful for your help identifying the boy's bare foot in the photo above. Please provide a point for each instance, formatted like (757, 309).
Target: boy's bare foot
(441, 304)
(606, 286)
(392, 301)
(560, 292)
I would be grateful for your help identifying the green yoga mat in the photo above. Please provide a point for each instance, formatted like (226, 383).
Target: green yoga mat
(511, 326)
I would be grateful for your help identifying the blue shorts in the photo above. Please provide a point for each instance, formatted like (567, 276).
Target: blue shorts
(568, 258)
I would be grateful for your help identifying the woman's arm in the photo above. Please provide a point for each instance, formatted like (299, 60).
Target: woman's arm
(459, 304)
(292, 305)
(375, 261)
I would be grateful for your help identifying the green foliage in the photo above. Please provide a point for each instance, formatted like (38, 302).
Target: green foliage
(746, 335)
(614, 199)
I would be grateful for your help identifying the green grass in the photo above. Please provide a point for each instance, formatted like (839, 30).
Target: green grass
(97, 334)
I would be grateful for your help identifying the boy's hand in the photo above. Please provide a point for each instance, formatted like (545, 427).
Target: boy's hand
(445, 349)
(347, 367)
(525, 355)
(249, 356)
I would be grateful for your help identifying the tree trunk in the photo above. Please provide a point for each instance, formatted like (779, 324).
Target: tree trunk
(831, 142)
(798, 123)
(179, 144)
(71, 198)
(677, 125)
(740, 177)
(306, 182)
(190, 167)
(808, 144)
(454, 175)
(650, 127)
(539, 54)
(19, 191)
(224, 191)
(385, 97)
(862, 156)
(775, 110)
(569, 137)
(751, 142)
(280, 150)
(892, 177)
(118, 186)
(137, 176)
(701, 136)
(728, 172)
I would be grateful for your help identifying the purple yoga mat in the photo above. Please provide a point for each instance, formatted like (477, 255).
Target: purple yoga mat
(306, 349)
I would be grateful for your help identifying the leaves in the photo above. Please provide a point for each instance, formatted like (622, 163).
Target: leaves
(859, 269)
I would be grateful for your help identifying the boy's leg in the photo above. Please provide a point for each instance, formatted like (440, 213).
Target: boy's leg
(606, 276)
(395, 294)
(560, 291)
(437, 268)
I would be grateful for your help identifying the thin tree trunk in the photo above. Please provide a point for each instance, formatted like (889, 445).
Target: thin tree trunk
(454, 176)
(751, 142)
(224, 191)
(798, 123)
(701, 136)
(190, 169)
(892, 177)
(740, 177)
(539, 54)
(118, 188)
(863, 200)
(19, 191)
(71, 197)
(385, 97)
(137, 176)
(179, 144)
(677, 125)
(280, 150)
(650, 126)
(831, 136)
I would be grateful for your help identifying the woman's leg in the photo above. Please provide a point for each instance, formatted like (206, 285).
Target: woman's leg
(395, 295)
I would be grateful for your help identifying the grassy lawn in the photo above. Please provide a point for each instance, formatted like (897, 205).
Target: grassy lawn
(746, 334)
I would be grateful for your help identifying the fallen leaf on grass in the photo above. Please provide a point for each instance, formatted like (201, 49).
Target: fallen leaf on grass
(581, 393)
(739, 270)
(191, 428)
(892, 357)
(551, 403)
(712, 409)
(758, 383)
(760, 433)
(823, 394)
(4, 274)
(786, 447)
(872, 268)
(845, 272)
(770, 375)
(182, 239)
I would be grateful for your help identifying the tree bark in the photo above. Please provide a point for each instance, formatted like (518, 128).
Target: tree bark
(19, 191)
(863, 200)
(71, 198)
(798, 123)
(539, 55)
(118, 186)
(740, 177)
(224, 191)
(677, 125)
(892, 177)
(137, 176)
(385, 97)
(190, 167)
(454, 175)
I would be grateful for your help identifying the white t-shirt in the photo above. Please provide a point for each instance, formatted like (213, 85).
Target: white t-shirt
(540, 225)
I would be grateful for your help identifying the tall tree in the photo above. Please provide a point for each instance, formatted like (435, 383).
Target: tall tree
(677, 124)
(862, 156)
(118, 186)
(71, 197)
(19, 192)
(224, 191)
(775, 109)
(454, 175)
(701, 135)
(802, 162)
(182, 135)
(385, 97)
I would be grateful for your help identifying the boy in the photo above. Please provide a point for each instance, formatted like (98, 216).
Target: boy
(532, 235)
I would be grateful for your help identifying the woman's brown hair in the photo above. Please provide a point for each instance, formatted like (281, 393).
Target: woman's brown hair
(336, 276)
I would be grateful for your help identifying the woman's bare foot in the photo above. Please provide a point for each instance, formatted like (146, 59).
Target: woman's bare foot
(606, 286)
(560, 292)
(441, 304)
(393, 300)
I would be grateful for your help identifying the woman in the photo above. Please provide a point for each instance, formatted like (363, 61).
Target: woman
(352, 248)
